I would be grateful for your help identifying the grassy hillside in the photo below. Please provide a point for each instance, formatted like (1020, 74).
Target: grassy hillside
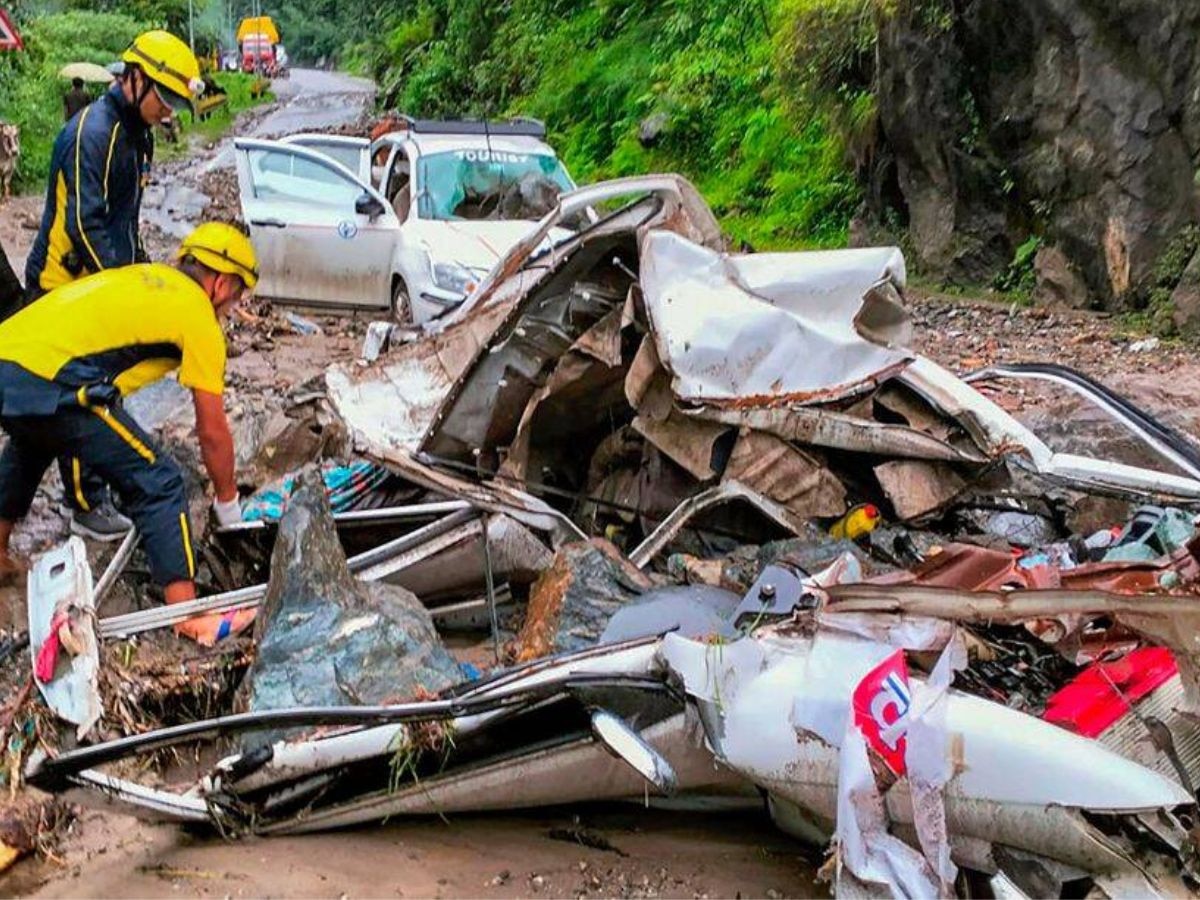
(31, 90)
(761, 102)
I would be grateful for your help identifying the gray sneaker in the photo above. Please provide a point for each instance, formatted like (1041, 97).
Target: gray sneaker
(101, 524)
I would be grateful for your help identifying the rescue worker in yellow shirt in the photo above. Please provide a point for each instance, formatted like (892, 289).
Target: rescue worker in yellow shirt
(67, 361)
(99, 167)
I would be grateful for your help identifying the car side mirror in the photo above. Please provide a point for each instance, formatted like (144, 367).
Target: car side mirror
(368, 206)
(626, 744)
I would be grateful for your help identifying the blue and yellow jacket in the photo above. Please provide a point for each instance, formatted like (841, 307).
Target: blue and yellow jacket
(98, 168)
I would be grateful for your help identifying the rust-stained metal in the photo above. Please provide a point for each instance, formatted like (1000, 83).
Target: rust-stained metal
(1170, 620)
(839, 431)
(917, 487)
(971, 567)
(686, 441)
(723, 493)
(792, 478)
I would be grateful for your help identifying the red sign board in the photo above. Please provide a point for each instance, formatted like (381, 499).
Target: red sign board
(881, 699)
(10, 38)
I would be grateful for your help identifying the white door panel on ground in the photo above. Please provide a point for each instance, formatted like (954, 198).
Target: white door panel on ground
(312, 245)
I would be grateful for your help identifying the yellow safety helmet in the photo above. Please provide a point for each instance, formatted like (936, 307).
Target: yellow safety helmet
(170, 64)
(222, 248)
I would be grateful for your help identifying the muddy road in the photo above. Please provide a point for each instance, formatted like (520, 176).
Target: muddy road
(593, 851)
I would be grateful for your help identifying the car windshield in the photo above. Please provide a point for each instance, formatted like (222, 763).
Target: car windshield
(487, 184)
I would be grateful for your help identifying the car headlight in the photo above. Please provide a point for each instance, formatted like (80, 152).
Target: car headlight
(453, 277)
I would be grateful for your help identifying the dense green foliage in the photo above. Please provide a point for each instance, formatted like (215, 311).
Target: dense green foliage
(169, 14)
(31, 89)
(765, 104)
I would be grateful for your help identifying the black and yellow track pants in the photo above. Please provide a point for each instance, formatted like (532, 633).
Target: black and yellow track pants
(83, 489)
(109, 442)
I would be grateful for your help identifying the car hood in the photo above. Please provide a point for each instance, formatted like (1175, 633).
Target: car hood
(474, 244)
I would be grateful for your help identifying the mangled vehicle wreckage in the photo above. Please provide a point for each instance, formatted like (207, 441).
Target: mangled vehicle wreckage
(631, 445)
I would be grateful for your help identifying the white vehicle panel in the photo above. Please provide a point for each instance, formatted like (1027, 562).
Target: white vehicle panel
(313, 246)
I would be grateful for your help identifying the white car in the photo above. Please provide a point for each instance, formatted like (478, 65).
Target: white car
(416, 232)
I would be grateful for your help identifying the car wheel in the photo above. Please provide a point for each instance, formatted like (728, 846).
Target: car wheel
(401, 303)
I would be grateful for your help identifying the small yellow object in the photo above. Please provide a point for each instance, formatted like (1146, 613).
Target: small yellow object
(8, 855)
(860, 520)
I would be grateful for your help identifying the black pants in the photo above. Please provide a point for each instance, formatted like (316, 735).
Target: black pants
(12, 295)
(83, 489)
(109, 442)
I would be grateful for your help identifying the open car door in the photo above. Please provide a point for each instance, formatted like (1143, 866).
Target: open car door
(322, 235)
(351, 152)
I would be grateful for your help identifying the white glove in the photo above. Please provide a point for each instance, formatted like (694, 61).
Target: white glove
(228, 512)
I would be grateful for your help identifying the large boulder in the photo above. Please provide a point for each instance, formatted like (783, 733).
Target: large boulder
(1185, 300)
(1058, 283)
(1074, 115)
(571, 603)
(327, 639)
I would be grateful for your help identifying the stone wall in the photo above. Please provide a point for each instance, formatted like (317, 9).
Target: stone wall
(1078, 120)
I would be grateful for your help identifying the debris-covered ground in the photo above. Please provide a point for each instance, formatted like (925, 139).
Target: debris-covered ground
(644, 521)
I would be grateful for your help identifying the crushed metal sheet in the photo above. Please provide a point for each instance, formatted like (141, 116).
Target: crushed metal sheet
(582, 396)
(1171, 621)
(916, 487)
(688, 442)
(776, 706)
(730, 328)
(723, 493)
(792, 478)
(839, 431)
(392, 403)
(998, 433)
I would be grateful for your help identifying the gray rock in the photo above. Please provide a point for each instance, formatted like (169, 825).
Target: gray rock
(325, 638)
(1079, 113)
(1186, 299)
(1058, 284)
(571, 603)
(652, 128)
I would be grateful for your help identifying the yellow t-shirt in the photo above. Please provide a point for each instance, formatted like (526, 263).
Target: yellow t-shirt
(127, 327)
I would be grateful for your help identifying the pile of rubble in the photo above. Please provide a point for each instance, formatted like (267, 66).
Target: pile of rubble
(699, 524)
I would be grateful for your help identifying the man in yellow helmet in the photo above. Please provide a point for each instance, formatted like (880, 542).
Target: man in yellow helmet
(67, 361)
(98, 169)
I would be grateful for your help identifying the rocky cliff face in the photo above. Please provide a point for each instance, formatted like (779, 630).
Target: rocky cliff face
(1078, 120)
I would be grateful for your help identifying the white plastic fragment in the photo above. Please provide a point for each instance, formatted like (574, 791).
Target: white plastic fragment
(865, 848)
(61, 579)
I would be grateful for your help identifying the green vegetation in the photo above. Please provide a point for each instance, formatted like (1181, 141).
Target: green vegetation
(1018, 279)
(239, 97)
(1168, 272)
(31, 89)
(766, 105)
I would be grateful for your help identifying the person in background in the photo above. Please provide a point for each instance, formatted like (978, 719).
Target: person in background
(75, 99)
